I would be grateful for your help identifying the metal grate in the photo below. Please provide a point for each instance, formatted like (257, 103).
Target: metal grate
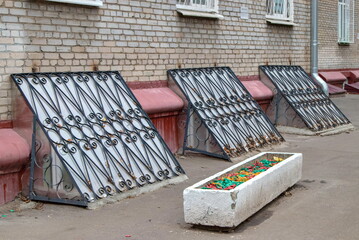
(222, 113)
(102, 138)
(307, 99)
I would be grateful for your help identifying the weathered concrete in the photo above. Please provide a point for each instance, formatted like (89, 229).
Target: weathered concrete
(307, 132)
(136, 192)
(14, 155)
(322, 206)
(222, 208)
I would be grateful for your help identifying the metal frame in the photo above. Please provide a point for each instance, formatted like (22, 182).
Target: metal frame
(191, 114)
(35, 147)
(304, 96)
(102, 137)
(226, 110)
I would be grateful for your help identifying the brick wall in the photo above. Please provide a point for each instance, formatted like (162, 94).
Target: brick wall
(142, 39)
(331, 54)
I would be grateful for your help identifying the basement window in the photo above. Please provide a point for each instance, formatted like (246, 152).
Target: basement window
(95, 3)
(199, 8)
(345, 21)
(280, 12)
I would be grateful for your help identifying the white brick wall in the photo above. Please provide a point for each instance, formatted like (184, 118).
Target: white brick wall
(142, 39)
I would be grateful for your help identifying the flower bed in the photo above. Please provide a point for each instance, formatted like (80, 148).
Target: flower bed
(232, 180)
(258, 180)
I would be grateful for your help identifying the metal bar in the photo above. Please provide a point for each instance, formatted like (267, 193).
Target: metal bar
(33, 157)
(62, 201)
(225, 157)
(186, 128)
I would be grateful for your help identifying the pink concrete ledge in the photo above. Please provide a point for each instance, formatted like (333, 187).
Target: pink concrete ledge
(258, 90)
(353, 76)
(14, 151)
(352, 88)
(332, 77)
(14, 155)
(158, 100)
(334, 90)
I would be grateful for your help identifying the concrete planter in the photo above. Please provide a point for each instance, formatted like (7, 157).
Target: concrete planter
(228, 208)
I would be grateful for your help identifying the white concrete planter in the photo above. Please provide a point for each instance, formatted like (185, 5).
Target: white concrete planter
(228, 208)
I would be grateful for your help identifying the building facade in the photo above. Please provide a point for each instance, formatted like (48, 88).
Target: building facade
(143, 39)
(338, 34)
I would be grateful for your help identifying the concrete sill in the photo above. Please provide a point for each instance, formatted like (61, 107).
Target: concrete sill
(93, 3)
(281, 22)
(344, 43)
(227, 209)
(194, 13)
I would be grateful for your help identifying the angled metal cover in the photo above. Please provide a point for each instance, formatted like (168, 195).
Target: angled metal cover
(306, 98)
(98, 130)
(228, 111)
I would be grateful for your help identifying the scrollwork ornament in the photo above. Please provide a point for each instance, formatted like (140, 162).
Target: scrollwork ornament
(43, 81)
(35, 80)
(102, 191)
(142, 179)
(109, 189)
(19, 81)
(121, 184)
(129, 182)
(68, 187)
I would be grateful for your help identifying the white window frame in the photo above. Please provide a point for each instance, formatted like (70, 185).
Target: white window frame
(346, 21)
(199, 8)
(280, 12)
(95, 3)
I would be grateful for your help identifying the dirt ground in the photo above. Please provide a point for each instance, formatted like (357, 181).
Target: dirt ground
(323, 205)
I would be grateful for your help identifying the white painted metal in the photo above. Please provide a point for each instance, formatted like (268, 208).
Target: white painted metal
(314, 47)
(100, 154)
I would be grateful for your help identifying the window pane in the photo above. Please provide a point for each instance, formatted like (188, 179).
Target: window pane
(278, 6)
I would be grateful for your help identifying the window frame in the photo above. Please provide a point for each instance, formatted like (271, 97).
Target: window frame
(346, 21)
(286, 18)
(188, 8)
(94, 3)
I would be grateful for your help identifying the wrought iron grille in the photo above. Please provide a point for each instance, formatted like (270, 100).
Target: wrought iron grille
(102, 138)
(223, 112)
(307, 99)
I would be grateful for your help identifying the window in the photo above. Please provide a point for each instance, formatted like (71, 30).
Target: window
(199, 8)
(346, 21)
(280, 11)
(96, 3)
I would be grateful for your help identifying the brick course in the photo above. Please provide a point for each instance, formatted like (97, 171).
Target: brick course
(143, 39)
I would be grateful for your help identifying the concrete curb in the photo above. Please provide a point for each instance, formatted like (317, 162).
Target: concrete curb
(307, 132)
(135, 192)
